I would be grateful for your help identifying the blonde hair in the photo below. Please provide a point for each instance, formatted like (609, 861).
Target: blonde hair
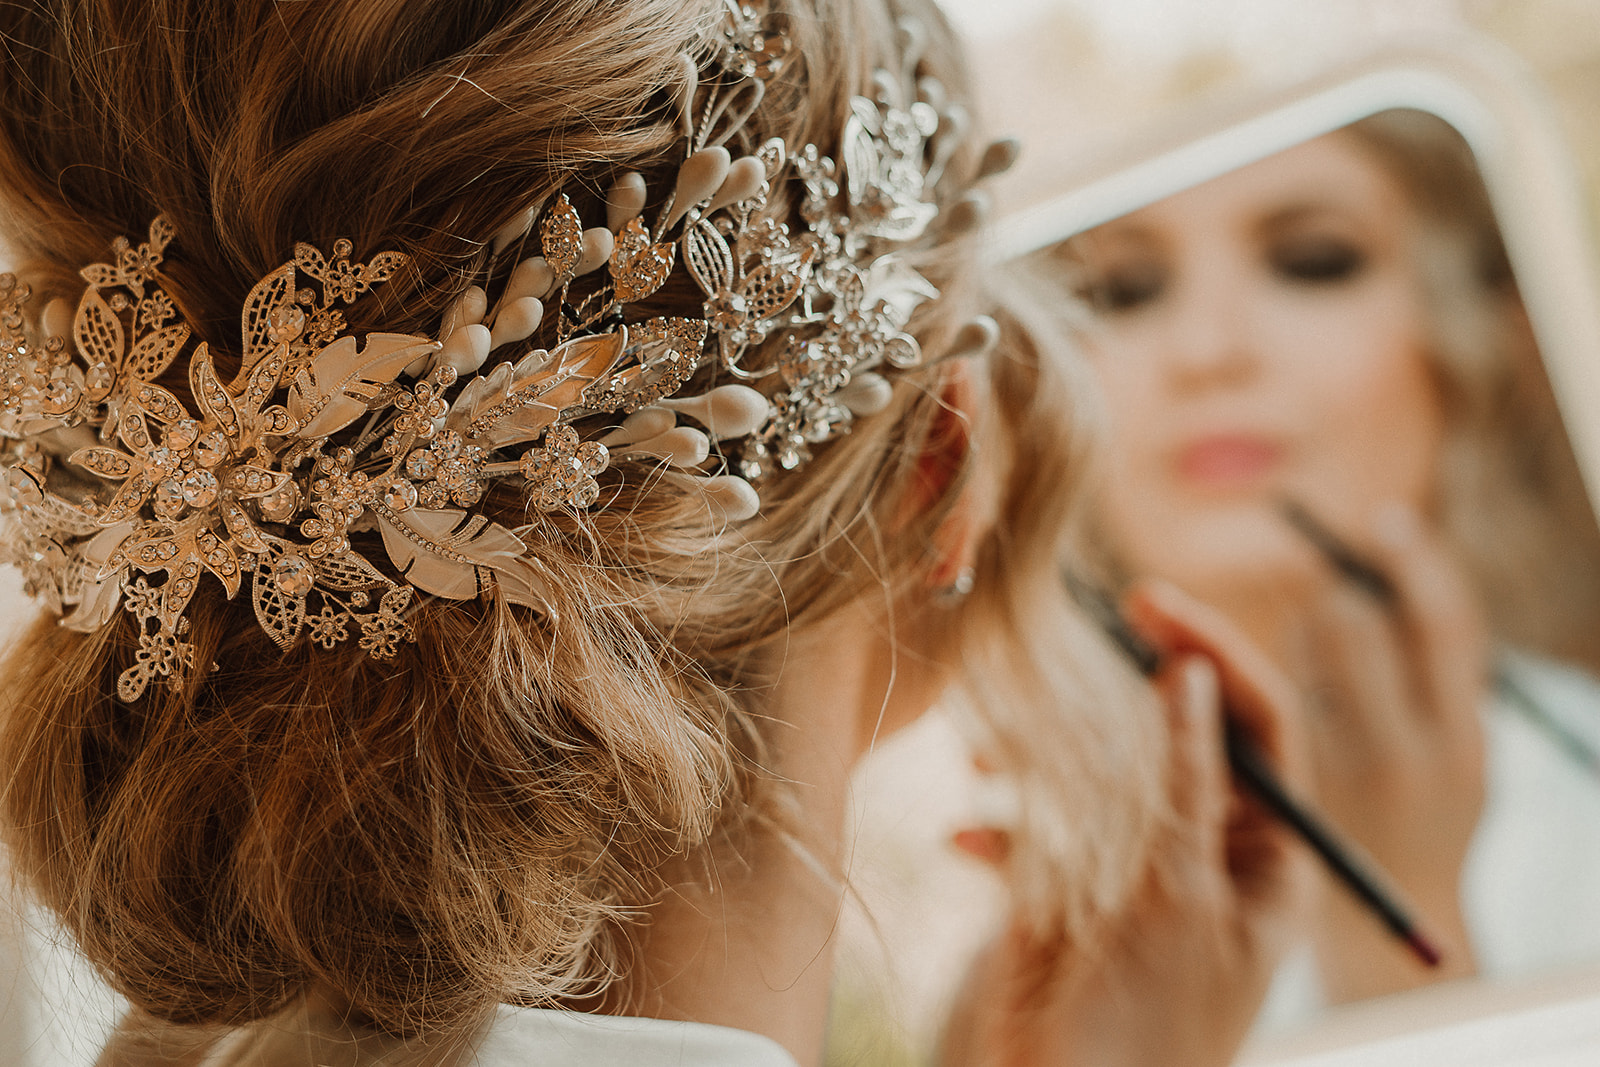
(474, 822)
(1510, 494)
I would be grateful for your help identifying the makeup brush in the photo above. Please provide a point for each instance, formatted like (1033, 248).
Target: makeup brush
(1253, 771)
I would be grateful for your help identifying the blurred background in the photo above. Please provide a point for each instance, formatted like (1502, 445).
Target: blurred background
(1066, 75)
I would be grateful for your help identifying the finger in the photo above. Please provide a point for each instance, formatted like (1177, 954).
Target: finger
(1200, 785)
(1255, 692)
(1437, 609)
(1362, 666)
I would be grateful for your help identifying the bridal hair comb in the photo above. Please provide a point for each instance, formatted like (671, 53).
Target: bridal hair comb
(119, 492)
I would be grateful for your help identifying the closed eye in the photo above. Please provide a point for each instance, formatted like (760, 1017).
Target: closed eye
(1124, 288)
(1317, 260)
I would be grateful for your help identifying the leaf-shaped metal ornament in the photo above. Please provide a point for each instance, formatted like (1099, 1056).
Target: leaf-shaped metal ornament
(136, 428)
(337, 387)
(98, 333)
(160, 234)
(215, 401)
(638, 268)
(862, 168)
(282, 616)
(270, 317)
(483, 391)
(60, 516)
(662, 354)
(449, 553)
(708, 257)
(152, 354)
(259, 386)
(104, 462)
(241, 527)
(125, 505)
(219, 558)
(561, 238)
(157, 403)
(348, 573)
(537, 400)
(382, 267)
(309, 259)
(771, 287)
(101, 275)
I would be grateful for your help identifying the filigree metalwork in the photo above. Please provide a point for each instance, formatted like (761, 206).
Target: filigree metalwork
(119, 491)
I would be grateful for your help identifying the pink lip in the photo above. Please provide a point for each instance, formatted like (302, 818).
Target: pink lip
(1228, 461)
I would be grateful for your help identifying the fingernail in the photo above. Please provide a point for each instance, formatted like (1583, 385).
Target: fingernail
(1199, 687)
(1396, 525)
(983, 844)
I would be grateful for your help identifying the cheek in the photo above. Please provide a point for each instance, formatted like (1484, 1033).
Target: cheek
(1138, 510)
(1372, 421)
(1134, 399)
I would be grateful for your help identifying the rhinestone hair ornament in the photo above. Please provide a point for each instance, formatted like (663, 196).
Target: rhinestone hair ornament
(120, 495)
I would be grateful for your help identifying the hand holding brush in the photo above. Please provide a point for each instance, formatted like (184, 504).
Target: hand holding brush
(1398, 668)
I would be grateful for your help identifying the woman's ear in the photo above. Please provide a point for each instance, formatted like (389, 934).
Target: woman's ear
(947, 451)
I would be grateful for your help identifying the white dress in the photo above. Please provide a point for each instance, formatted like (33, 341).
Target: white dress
(1530, 888)
(516, 1037)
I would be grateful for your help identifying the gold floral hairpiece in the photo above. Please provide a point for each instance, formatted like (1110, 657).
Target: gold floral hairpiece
(119, 493)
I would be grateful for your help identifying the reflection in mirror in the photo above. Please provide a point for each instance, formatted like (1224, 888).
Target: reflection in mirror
(1328, 347)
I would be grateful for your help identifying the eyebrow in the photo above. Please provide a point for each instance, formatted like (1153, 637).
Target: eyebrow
(1313, 210)
(1118, 233)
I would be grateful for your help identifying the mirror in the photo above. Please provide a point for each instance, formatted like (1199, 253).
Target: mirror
(1342, 303)
(1355, 314)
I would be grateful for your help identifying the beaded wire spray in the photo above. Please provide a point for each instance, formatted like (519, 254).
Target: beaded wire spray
(117, 494)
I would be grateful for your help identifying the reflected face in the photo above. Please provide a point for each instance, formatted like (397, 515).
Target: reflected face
(1261, 334)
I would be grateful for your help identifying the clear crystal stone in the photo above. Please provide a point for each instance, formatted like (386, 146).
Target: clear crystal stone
(285, 322)
(455, 473)
(200, 488)
(182, 434)
(212, 448)
(422, 465)
(448, 444)
(400, 496)
(294, 576)
(726, 311)
(432, 495)
(167, 499)
(60, 392)
(279, 505)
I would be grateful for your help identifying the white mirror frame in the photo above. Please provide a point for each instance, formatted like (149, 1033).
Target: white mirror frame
(1473, 84)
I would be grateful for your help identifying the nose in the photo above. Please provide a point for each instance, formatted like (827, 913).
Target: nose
(1209, 339)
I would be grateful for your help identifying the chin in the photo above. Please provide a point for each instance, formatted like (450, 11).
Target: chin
(1218, 549)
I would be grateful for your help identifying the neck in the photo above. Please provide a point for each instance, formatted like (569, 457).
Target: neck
(1271, 614)
(744, 937)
